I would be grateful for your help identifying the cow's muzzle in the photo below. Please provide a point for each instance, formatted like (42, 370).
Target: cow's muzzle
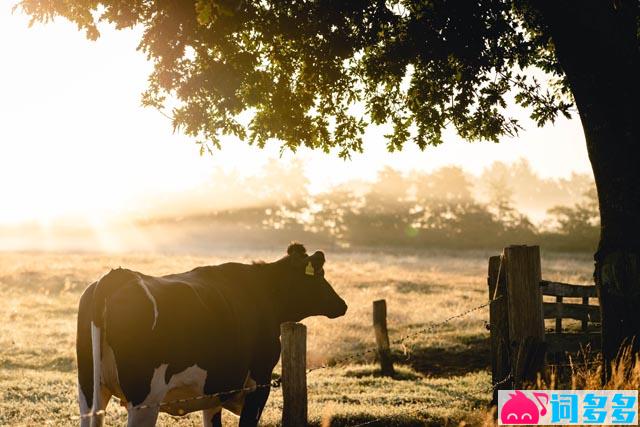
(340, 310)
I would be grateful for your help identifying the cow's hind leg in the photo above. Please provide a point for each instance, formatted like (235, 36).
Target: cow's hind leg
(85, 409)
(84, 350)
(145, 417)
(212, 418)
(87, 419)
(253, 405)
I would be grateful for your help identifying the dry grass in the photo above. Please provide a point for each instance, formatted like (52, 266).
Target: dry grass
(442, 376)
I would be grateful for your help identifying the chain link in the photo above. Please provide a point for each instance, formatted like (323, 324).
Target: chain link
(506, 379)
(275, 383)
(404, 338)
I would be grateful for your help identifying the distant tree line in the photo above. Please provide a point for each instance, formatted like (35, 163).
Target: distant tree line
(447, 208)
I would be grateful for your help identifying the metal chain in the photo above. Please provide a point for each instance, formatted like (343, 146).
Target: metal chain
(404, 338)
(506, 379)
(433, 326)
(275, 383)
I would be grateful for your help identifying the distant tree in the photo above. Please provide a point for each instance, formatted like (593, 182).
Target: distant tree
(443, 202)
(317, 73)
(500, 195)
(388, 193)
(447, 183)
(580, 221)
(530, 192)
(522, 178)
(284, 191)
(284, 184)
(334, 213)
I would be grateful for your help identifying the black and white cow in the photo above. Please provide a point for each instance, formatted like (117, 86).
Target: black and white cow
(151, 340)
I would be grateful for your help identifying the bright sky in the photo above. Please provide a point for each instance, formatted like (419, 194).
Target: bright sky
(74, 139)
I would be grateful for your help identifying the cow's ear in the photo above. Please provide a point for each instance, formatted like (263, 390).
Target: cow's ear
(296, 249)
(317, 261)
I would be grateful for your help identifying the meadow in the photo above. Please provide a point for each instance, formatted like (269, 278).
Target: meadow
(443, 376)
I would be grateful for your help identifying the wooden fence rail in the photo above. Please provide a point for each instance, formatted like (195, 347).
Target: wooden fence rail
(559, 310)
(567, 290)
(561, 341)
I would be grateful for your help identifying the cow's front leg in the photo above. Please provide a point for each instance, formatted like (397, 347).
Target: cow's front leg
(142, 417)
(253, 405)
(212, 418)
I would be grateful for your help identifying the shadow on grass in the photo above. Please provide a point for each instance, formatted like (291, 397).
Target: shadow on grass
(408, 420)
(59, 364)
(43, 281)
(472, 356)
(405, 286)
(400, 375)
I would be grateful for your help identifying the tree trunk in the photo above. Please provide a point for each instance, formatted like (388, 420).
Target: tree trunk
(596, 44)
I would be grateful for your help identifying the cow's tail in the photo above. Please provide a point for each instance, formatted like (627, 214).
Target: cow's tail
(105, 287)
(96, 352)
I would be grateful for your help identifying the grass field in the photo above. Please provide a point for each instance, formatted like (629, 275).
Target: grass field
(443, 376)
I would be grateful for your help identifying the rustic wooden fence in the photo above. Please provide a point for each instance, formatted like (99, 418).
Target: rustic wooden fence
(294, 364)
(519, 341)
(589, 315)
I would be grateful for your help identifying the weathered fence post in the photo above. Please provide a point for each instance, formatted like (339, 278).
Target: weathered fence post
(517, 312)
(294, 375)
(382, 337)
(585, 302)
(526, 320)
(559, 300)
(498, 326)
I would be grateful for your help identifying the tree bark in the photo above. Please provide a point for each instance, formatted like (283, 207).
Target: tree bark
(596, 44)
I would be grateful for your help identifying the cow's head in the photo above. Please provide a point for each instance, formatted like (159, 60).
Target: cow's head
(305, 292)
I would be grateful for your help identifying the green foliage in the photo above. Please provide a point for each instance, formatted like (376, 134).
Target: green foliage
(315, 74)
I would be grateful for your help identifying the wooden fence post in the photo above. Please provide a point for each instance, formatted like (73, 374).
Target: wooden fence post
(585, 302)
(498, 326)
(294, 375)
(382, 337)
(559, 300)
(526, 320)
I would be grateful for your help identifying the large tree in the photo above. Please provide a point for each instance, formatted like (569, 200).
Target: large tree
(316, 73)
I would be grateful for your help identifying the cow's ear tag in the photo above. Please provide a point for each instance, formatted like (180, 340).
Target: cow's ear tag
(309, 271)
